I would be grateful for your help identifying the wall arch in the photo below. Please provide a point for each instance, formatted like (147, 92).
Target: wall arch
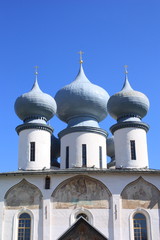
(81, 191)
(73, 217)
(23, 194)
(140, 193)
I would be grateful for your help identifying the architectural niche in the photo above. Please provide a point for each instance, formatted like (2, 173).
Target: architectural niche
(81, 191)
(23, 194)
(82, 230)
(140, 193)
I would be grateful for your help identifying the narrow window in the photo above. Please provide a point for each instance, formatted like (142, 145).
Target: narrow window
(67, 157)
(24, 227)
(47, 182)
(84, 155)
(32, 151)
(82, 215)
(140, 227)
(133, 150)
(100, 156)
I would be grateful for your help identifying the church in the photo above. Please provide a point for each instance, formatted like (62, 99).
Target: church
(64, 188)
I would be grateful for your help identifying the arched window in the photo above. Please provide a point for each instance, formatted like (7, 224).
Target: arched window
(81, 212)
(140, 227)
(24, 227)
(82, 215)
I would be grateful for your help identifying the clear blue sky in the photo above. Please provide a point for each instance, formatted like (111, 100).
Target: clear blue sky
(49, 33)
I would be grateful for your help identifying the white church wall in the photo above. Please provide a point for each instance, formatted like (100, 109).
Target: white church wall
(152, 219)
(47, 224)
(42, 141)
(50, 223)
(1, 218)
(122, 138)
(74, 141)
(9, 220)
(61, 221)
(115, 182)
(10, 223)
(102, 219)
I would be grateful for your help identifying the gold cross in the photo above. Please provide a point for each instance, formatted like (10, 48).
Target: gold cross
(80, 56)
(126, 69)
(36, 70)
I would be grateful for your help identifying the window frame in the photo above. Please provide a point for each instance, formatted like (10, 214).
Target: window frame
(84, 155)
(67, 157)
(148, 222)
(16, 221)
(133, 150)
(22, 226)
(76, 212)
(100, 157)
(32, 151)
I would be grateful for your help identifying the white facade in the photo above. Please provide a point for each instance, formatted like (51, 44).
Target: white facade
(47, 222)
(122, 141)
(42, 140)
(95, 145)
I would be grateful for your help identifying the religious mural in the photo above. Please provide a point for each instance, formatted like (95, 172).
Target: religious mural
(23, 194)
(140, 193)
(81, 191)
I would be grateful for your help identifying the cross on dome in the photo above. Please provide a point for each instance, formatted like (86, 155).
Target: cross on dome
(36, 71)
(126, 69)
(80, 56)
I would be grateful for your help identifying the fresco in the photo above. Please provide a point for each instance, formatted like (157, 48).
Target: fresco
(23, 194)
(140, 193)
(81, 191)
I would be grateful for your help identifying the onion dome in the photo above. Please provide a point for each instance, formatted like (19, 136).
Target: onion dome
(81, 99)
(128, 103)
(35, 104)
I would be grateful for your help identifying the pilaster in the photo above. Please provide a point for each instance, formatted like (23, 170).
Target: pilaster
(116, 217)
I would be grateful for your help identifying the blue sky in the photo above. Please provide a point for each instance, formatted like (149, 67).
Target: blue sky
(49, 33)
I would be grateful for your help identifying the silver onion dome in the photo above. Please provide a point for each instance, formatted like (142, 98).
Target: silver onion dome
(128, 102)
(81, 98)
(35, 104)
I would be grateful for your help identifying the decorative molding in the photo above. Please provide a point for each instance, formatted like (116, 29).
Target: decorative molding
(129, 124)
(34, 126)
(33, 118)
(77, 211)
(125, 116)
(50, 172)
(83, 129)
